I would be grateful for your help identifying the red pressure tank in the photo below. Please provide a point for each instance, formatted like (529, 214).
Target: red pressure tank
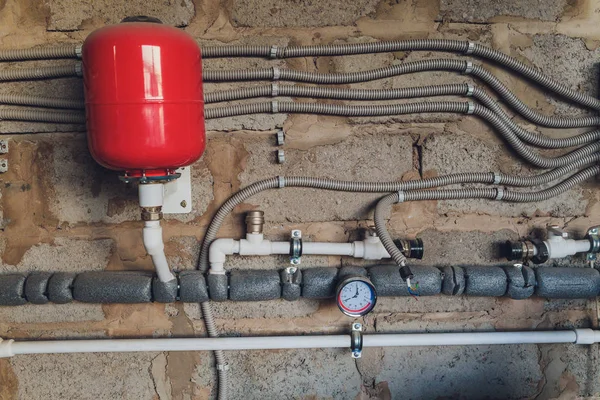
(143, 97)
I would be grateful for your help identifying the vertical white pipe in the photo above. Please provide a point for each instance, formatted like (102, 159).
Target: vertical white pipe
(153, 242)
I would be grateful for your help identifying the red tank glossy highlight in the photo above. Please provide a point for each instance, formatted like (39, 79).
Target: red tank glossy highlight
(143, 95)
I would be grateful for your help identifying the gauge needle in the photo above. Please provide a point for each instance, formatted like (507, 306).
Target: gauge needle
(356, 295)
(348, 298)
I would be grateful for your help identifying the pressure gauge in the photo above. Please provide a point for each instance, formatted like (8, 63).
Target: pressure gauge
(356, 296)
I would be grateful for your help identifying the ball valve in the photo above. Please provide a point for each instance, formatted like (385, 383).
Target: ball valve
(558, 244)
(145, 111)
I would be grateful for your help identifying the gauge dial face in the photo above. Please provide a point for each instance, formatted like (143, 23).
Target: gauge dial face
(356, 297)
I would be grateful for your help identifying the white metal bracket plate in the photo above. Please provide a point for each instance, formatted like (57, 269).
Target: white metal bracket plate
(178, 193)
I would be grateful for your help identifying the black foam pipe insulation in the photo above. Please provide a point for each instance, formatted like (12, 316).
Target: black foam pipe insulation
(293, 283)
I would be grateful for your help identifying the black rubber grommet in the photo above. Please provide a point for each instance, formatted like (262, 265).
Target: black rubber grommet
(542, 252)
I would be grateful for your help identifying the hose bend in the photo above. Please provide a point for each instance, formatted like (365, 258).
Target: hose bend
(408, 108)
(406, 68)
(383, 207)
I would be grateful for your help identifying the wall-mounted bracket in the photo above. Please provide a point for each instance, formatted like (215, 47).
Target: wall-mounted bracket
(178, 193)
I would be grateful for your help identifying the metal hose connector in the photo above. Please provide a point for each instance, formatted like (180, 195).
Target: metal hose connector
(36, 101)
(464, 89)
(371, 187)
(409, 108)
(383, 207)
(444, 45)
(42, 53)
(406, 68)
(61, 117)
(20, 74)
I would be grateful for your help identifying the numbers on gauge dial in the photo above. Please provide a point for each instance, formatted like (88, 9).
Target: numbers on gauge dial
(356, 297)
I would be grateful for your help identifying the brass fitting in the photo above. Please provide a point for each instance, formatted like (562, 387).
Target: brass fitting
(152, 213)
(255, 220)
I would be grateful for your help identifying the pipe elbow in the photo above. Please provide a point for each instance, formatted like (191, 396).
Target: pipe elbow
(218, 251)
(6, 348)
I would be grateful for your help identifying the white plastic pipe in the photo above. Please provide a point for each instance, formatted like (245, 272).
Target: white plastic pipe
(327, 249)
(152, 195)
(155, 247)
(255, 244)
(559, 247)
(9, 348)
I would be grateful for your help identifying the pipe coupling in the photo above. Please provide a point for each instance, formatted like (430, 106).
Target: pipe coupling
(255, 221)
(152, 213)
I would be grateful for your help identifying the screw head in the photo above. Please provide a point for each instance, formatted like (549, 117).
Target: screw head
(357, 326)
(183, 204)
(356, 354)
(295, 261)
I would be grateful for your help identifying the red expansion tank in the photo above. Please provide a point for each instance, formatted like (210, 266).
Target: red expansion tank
(143, 96)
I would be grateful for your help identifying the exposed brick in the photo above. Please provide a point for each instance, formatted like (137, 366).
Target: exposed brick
(87, 192)
(454, 369)
(69, 88)
(70, 15)
(103, 376)
(441, 152)
(305, 13)
(568, 61)
(484, 11)
(290, 373)
(250, 122)
(384, 155)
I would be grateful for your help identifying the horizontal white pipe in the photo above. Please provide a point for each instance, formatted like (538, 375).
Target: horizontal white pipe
(467, 338)
(255, 245)
(9, 348)
(327, 249)
(560, 248)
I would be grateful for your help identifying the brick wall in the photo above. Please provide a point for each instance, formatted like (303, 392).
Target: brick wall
(61, 211)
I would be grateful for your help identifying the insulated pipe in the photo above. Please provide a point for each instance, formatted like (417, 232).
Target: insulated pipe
(42, 53)
(10, 348)
(395, 70)
(255, 245)
(445, 45)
